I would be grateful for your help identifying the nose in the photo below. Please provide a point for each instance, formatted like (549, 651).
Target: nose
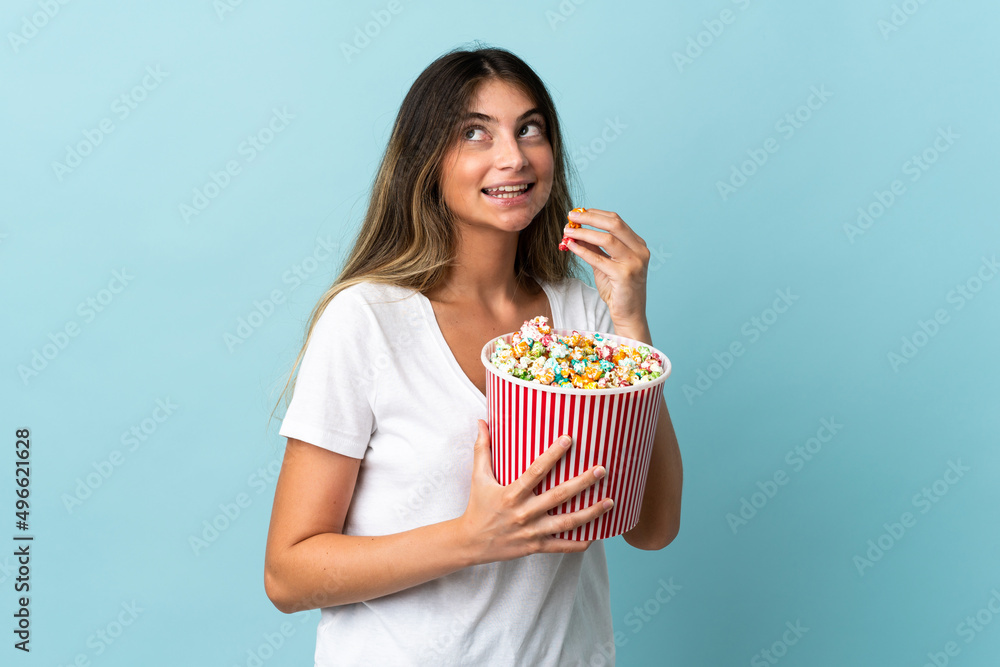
(509, 154)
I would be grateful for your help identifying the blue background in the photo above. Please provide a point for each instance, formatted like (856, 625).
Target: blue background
(719, 258)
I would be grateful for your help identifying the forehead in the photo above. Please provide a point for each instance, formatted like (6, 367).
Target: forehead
(496, 93)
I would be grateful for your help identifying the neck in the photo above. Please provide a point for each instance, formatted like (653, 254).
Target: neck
(483, 271)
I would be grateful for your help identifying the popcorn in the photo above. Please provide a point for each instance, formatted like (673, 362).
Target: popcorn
(577, 360)
(571, 225)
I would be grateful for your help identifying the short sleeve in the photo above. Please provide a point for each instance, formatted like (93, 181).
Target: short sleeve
(331, 404)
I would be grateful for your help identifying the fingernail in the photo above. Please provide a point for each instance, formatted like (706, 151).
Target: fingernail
(574, 215)
(600, 472)
(608, 504)
(565, 441)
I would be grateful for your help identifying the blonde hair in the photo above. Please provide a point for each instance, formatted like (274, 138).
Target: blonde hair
(407, 237)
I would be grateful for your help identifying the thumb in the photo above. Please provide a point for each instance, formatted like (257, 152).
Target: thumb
(482, 461)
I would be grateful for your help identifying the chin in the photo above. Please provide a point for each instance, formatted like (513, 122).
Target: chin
(516, 222)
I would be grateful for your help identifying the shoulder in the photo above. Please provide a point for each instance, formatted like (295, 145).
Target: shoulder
(367, 308)
(372, 293)
(370, 296)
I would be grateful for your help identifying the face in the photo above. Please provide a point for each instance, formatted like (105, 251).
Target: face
(499, 174)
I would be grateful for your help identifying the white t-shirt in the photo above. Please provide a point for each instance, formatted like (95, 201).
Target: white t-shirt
(378, 382)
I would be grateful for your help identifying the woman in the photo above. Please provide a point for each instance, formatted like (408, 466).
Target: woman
(385, 516)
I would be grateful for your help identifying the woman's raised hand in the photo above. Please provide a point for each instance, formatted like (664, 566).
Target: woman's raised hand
(620, 259)
(505, 522)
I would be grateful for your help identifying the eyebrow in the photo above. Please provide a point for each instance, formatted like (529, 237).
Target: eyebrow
(493, 121)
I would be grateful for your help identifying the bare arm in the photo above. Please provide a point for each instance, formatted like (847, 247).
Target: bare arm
(309, 563)
(660, 514)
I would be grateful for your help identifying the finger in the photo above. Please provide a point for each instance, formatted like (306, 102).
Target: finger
(569, 489)
(611, 222)
(595, 240)
(554, 524)
(598, 260)
(557, 545)
(589, 246)
(482, 462)
(607, 216)
(601, 212)
(541, 466)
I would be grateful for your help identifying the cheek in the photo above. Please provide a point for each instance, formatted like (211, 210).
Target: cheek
(545, 169)
(455, 188)
(465, 179)
(456, 175)
(544, 163)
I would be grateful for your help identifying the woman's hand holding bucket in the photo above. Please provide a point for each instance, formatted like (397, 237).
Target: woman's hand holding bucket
(506, 522)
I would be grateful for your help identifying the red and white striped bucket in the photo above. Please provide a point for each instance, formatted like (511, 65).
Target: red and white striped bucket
(610, 427)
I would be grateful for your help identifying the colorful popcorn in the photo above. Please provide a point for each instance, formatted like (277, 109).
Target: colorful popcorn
(577, 360)
(571, 225)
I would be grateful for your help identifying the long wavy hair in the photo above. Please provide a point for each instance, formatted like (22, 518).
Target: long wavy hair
(408, 236)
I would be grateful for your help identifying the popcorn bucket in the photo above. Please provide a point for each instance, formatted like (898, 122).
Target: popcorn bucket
(610, 427)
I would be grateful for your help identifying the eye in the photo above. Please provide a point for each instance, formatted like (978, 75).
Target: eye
(537, 130)
(469, 132)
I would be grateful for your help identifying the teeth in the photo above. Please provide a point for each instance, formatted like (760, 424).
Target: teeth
(506, 188)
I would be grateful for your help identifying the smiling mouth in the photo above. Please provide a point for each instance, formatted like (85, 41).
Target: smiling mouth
(507, 191)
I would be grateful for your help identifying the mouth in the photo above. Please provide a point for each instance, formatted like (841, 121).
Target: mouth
(507, 192)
